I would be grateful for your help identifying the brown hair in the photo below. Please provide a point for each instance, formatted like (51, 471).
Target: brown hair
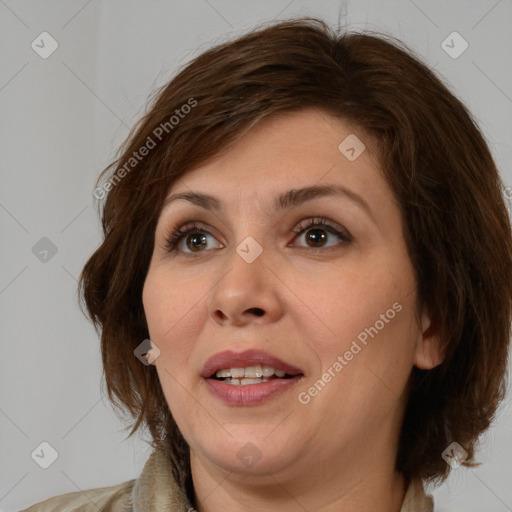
(437, 164)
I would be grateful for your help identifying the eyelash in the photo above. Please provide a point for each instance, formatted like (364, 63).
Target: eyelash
(178, 233)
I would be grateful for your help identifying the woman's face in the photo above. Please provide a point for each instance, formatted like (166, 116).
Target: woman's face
(278, 278)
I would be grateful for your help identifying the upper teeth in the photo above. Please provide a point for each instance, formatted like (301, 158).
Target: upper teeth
(251, 372)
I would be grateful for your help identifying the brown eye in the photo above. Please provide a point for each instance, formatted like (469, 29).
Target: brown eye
(195, 241)
(316, 237)
(317, 231)
(194, 236)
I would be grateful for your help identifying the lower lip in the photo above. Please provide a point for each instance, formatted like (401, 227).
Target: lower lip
(250, 394)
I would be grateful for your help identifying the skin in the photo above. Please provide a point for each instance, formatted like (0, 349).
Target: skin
(337, 451)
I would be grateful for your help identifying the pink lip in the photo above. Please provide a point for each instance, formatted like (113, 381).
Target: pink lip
(251, 394)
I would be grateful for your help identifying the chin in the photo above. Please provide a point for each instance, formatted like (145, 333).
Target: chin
(247, 453)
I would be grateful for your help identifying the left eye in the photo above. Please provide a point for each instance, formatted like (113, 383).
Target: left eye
(317, 231)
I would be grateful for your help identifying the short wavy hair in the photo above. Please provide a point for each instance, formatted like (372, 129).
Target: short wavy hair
(436, 162)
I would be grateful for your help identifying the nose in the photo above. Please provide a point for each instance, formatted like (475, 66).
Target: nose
(247, 292)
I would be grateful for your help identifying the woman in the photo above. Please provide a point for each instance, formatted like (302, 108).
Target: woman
(304, 288)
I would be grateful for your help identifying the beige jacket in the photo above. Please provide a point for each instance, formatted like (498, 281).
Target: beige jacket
(157, 490)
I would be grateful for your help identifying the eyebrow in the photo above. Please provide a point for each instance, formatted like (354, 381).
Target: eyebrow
(287, 200)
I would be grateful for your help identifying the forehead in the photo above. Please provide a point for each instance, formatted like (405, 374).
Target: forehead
(287, 149)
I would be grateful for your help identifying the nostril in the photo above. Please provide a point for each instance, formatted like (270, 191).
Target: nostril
(257, 311)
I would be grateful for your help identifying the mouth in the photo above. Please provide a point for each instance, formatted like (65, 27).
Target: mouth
(248, 377)
(239, 376)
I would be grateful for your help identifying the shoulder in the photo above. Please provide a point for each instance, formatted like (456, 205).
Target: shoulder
(116, 498)
(416, 500)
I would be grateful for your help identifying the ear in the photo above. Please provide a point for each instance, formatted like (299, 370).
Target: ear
(429, 353)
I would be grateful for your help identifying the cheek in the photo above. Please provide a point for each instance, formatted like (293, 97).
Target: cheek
(172, 311)
(384, 341)
(370, 317)
(343, 306)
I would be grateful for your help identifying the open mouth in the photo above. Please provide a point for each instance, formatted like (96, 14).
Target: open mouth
(257, 374)
(248, 378)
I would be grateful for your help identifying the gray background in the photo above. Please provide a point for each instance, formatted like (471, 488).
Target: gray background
(61, 118)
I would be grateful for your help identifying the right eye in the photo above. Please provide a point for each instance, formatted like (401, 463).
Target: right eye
(194, 236)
